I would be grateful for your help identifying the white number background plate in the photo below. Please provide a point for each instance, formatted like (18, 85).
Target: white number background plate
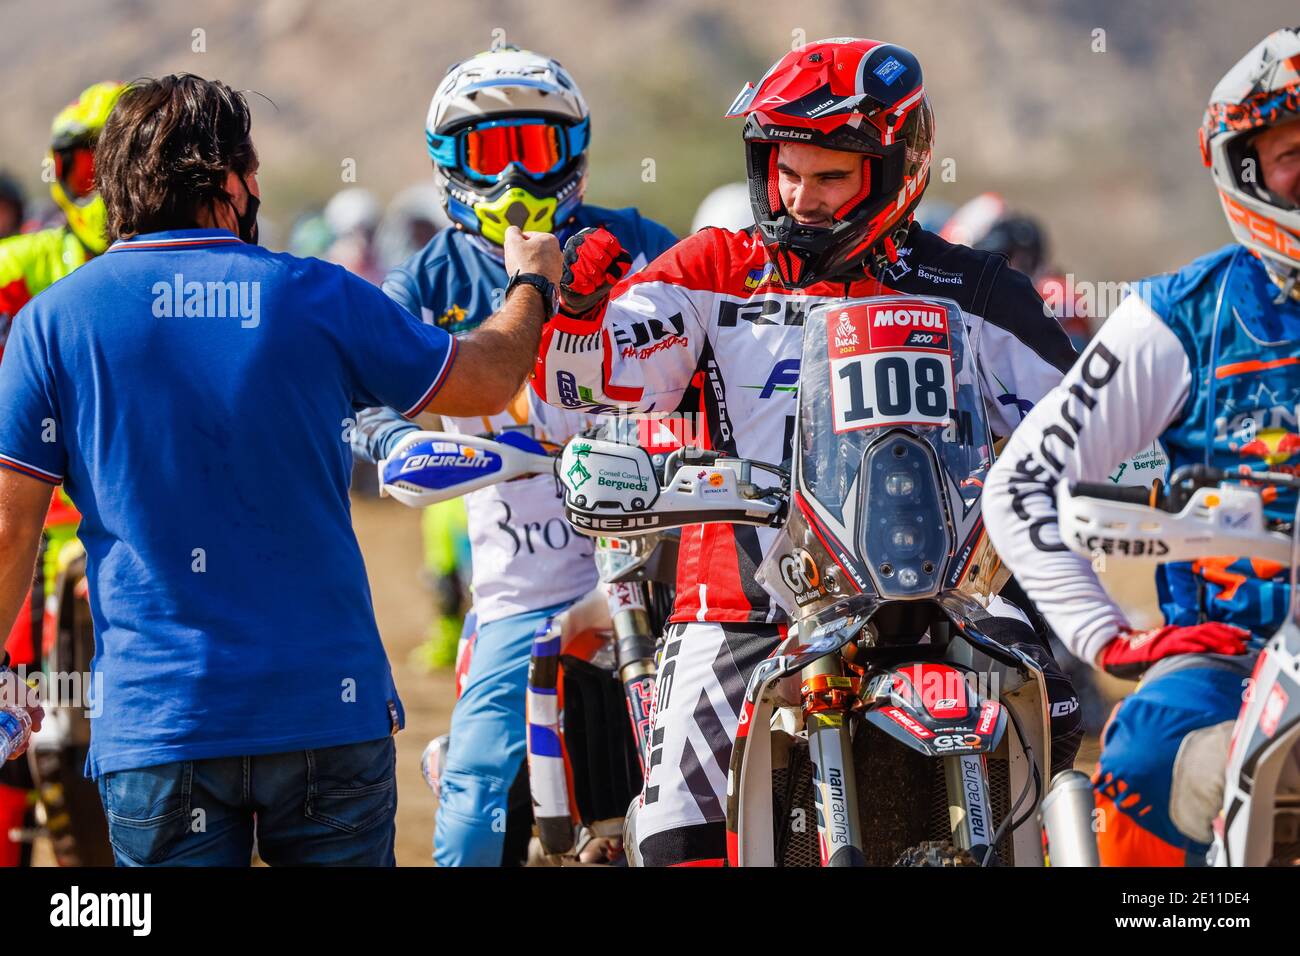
(899, 405)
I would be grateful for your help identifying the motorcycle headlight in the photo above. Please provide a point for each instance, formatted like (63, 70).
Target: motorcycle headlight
(904, 536)
(904, 541)
(899, 484)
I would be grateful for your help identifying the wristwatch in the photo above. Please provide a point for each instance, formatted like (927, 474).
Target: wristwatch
(545, 286)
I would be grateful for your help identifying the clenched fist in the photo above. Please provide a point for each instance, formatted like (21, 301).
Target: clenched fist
(594, 261)
(537, 252)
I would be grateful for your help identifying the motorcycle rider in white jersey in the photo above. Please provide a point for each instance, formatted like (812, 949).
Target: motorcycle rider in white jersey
(1206, 360)
(838, 141)
(507, 132)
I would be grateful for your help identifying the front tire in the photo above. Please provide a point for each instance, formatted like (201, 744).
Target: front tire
(74, 813)
(936, 853)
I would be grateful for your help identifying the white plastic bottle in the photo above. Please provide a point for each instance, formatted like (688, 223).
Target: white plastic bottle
(15, 728)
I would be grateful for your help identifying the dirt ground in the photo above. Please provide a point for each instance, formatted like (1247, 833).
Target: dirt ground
(390, 540)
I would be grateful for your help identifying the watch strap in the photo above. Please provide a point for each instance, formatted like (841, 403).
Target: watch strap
(539, 282)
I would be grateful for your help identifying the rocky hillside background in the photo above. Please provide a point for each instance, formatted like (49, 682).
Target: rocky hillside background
(1093, 131)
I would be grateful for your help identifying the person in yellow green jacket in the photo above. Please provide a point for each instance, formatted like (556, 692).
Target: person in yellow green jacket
(30, 263)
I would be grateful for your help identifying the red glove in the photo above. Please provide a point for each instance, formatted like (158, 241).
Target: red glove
(1131, 652)
(593, 262)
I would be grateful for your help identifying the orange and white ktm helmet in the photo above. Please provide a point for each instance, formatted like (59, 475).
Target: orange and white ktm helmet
(1261, 91)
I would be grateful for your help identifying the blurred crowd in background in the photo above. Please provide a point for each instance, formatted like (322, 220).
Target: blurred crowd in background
(356, 230)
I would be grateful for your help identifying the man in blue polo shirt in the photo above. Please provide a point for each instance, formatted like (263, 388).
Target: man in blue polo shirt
(194, 395)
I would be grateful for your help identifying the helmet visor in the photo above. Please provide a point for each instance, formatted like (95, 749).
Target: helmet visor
(537, 147)
(75, 170)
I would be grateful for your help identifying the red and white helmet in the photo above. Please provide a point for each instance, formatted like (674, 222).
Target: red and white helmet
(860, 96)
(1261, 91)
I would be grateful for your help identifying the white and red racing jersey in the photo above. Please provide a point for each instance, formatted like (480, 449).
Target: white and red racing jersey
(708, 327)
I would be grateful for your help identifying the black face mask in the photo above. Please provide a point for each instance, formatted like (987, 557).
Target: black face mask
(247, 221)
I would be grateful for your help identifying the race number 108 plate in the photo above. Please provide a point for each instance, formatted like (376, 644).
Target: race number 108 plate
(890, 364)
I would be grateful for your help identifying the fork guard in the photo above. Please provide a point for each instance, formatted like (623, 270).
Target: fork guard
(916, 715)
(750, 770)
(583, 765)
(548, 772)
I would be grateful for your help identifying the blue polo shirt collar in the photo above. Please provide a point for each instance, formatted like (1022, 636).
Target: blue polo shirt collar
(173, 239)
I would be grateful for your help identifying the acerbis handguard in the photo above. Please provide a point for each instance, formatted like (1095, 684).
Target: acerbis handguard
(1225, 520)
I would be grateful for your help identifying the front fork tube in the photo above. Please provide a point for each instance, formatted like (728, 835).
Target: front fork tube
(636, 671)
(827, 700)
(969, 809)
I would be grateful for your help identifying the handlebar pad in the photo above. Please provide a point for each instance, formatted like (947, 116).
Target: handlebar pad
(1132, 494)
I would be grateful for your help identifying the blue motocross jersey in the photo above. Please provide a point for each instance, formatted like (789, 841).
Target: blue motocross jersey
(458, 279)
(1240, 413)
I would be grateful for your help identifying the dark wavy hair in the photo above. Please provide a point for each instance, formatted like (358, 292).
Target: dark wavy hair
(165, 151)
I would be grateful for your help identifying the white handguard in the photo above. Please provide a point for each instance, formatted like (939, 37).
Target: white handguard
(612, 488)
(428, 467)
(1224, 520)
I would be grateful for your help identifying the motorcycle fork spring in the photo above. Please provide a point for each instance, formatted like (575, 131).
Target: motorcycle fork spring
(829, 692)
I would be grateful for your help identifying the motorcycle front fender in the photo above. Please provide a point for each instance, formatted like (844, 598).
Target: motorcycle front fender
(749, 776)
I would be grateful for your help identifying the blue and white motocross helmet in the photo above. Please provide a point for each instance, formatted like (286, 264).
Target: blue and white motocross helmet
(508, 131)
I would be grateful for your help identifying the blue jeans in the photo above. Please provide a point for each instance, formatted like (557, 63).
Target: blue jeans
(487, 743)
(331, 807)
